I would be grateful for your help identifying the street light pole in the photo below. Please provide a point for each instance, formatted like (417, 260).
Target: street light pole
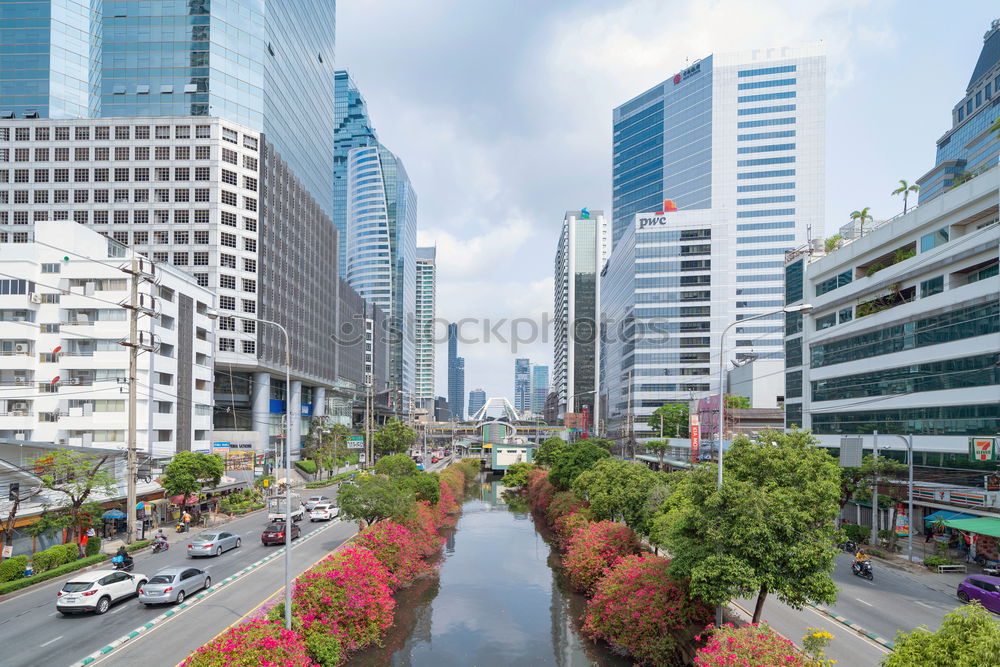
(803, 308)
(908, 440)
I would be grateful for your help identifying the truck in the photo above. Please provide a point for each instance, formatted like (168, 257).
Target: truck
(276, 508)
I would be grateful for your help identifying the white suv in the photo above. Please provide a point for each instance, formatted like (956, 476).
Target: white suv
(96, 591)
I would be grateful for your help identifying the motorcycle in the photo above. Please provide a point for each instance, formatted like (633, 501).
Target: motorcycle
(863, 569)
(160, 546)
(124, 565)
(849, 546)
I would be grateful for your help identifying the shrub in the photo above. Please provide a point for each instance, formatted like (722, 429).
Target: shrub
(257, 642)
(751, 644)
(396, 465)
(13, 568)
(18, 584)
(93, 546)
(447, 507)
(135, 546)
(539, 490)
(638, 607)
(564, 502)
(422, 524)
(396, 548)
(595, 547)
(934, 561)
(856, 533)
(346, 594)
(566, 525)
(454, 478)
(516, 475)
(306, 466)
(423, 485)
(54, 556)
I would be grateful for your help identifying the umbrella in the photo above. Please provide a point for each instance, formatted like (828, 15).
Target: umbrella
(143, 505)
(113, 514)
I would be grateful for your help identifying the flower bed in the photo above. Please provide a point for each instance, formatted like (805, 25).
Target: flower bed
(595, 547)
(256, 643)
(747, 645)
(396, 547)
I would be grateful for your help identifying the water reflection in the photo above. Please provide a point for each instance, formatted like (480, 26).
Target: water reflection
(497, 600)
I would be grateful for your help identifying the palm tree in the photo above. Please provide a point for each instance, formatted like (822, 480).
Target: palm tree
(862, 216)
(905, 189)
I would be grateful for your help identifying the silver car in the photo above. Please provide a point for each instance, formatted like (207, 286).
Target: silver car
(173, 585)
(315, 500)
(213, 544)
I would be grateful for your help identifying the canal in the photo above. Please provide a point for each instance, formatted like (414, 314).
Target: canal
(499, 599)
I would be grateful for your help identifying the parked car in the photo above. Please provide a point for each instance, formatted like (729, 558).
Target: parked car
(324, 512)
(97, 590)
(213, 544)
(315, 500)
(274, 533)
(173, 584)
(981, 587)
(434, 459)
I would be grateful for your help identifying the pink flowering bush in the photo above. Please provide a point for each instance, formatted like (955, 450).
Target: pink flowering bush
(396, 548)
(257, 643)
(747, 646)
(539, 490)
(423, 525)
(638, 607)
(563, 503)
(566, 525)
(595, 547)
(346, 595)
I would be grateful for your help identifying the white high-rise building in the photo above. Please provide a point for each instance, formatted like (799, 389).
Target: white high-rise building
(424, 329)
(717, 172)
(580, 254)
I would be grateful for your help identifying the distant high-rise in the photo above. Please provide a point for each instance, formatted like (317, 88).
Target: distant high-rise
(969, 147)
(352, 129)
(522, 385)
(477, 399)
(424, 328)
(580, 254)
(456, 375)
(539, 388)
(441, 411)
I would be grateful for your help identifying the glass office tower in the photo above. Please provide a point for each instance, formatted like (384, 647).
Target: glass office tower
(969, 148)
(352, 129)
(456, 375)
(522, 385)
(424, 329)
(539, 388)
(49, 50)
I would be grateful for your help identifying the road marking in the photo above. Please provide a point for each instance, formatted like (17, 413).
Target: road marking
(51, 641)
(921, 602)
(863, 602)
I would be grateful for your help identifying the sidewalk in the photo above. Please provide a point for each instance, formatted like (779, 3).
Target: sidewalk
(919, 573)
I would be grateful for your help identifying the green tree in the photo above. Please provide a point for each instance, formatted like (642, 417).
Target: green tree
(190, 472)
(80, 478)
(394, 437)
(659, 447)
(832, 243)
(619, 491)
(734, 402)
(770, 529)
(372, 499)
(905, 189)
(602, 442)
(545, 454)
(862, 216)
(423, 485)
(574, 459)
(337, 438)
(854, 482)
(968, 637)
(670, 420)
(516, 476)
(396, 465)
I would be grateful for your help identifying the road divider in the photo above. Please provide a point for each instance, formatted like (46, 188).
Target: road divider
(192, 601)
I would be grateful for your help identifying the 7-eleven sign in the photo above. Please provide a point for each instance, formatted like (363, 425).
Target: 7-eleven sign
(982, 449)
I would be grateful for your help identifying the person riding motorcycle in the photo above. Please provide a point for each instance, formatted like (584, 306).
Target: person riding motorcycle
(861, 557)
(122, 559)
(160, 540)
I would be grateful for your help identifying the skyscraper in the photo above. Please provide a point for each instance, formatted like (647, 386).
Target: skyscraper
(264, 64)
(352, 129)
(717, 172)
(477, 399)
(522, 386)
(456, 375)
(382, 249)
(580, 254)
(969, 147)
(539, 388)
(424, 329)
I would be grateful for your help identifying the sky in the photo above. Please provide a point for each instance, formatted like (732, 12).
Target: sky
(501, 112)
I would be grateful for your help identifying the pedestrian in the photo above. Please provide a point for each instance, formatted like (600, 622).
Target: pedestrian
(928, 535)
(187, 521)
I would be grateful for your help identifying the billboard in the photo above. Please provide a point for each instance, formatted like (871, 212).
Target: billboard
(574, 420)
(982, 449)
(695, 429)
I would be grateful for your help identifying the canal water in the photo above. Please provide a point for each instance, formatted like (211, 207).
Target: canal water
(499, 599)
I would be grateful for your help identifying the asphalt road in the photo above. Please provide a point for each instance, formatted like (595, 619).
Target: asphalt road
(44, 636)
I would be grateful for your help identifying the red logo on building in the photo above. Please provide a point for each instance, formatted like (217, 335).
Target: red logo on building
(677, 79)
(668, 207)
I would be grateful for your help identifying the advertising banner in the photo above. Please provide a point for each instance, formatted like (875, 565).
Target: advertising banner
(695, 428)
(982, 449)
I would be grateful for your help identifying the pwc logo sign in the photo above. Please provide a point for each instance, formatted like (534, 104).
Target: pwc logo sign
(657, 219)
(668, 207)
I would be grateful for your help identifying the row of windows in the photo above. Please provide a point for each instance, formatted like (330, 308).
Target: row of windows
(766, 135)
(755, 252)
(118, 217)
(778, 69)
(229, 345)
(767, 148)
(778, 199)
(978, 371)
(758, 226)
(968, 108)
(967, 420)
(766, 96)
(751, 111)
(121, 154)
(968, 322)
(103, 196)
(672, 281)
(759, 265)
(766, 239)
(759, 162)
(760, 278)
(104, 174)
(762, 187)
(765, 174)
(766, 213)
(83, 132)
(784, 120)
(770, 83)
(839, 280)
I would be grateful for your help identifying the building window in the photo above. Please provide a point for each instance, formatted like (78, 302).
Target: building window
(227, 345)
(227, 324)
(250, 265)
(228, 240)
(203, 173)
(201, 278)
(227, 302)
(934, 239)
(250, 203)
(227, 218)
(249, 285)
(142, 132)
(229, 198)
(250, 245)
(226, 281)
(249, 306)
(228, 156)
(227, 261)
(249, 162)
(202, 152)
(249, 347)
(61, 134)
(181, 237)
(182, 174)
(200, 259)
(142, 152)
(250, 224)
(180, 259)
(182, 153)
(249, 326)
(932, 286)
(201, 195)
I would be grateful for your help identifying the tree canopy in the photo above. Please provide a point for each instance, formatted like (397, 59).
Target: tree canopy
(734, 402)
(969, 636)
(619, 491)
(571, 460)
(373, 498)
(396, 465)
(674, 420)
(545, 454)
(394, 437)
(189, 472)
(857, 481)
(516, 475)
(79, 477)
(770, 529)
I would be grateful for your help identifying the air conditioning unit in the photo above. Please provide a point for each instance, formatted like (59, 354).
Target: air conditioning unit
(20, 348)
(20, 379)
(35, 297)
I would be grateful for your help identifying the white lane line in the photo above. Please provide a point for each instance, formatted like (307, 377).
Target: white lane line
(921, 602)
(51, 641)
(863, 602)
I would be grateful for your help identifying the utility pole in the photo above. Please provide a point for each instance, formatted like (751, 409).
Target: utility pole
(874, 535)
(629, 419)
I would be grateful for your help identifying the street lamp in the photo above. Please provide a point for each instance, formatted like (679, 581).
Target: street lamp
(803, 308)
(908, 441)
(213, 314)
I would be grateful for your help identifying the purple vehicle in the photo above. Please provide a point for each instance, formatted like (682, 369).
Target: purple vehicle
(981, 587)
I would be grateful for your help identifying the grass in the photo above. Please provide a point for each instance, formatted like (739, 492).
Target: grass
(18, 584)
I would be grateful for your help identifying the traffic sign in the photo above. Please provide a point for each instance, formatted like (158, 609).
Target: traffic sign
(355, 442)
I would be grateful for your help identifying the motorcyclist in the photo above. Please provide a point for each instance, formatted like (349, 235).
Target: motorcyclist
(122, 559)
(861, 557)
(160, 539)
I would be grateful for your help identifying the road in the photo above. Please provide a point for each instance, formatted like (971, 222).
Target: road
(46, 637)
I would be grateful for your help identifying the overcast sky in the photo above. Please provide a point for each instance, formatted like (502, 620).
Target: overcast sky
(501, 112)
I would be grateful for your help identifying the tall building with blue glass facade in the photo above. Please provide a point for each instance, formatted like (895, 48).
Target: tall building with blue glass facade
(969, 148)
(539, 388)
(264, 64)
(352, 129)
(736, 143)
(522, 385)
(382, 252)
(456, 375)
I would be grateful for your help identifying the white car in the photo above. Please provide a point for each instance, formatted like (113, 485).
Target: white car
(313, 501)
(324, 512)
(96, 591)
